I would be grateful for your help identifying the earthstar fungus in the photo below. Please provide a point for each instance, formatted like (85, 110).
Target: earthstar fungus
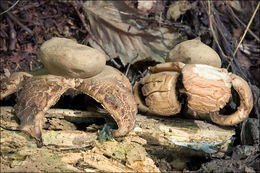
(36, 94)
(208, 89)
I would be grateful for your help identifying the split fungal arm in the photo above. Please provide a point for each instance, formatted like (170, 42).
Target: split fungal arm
(37, 95)
(114, 91)
(245, 107)
(11, 84)
(159, 93)
(168, 66)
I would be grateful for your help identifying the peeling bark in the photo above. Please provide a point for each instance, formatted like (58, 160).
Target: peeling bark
(73, 150)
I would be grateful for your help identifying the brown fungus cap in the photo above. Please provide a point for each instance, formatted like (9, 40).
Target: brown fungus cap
(208, 88)
(65, 57)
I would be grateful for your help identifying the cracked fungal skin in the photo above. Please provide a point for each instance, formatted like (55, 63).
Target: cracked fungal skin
(76, 66)
(208, 89)
(159, 90)
(36, 97)
(11, 84)
(113, 90)
(245, 107)
(38, 93)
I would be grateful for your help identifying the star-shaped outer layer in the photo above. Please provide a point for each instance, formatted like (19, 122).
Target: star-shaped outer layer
(208, 89)
(38, 93)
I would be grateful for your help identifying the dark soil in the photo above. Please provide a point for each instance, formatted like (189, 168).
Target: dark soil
(50, 18)
(46, 19)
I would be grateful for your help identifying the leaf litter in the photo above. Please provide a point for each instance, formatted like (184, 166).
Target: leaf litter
(125, 35)
(135, 36)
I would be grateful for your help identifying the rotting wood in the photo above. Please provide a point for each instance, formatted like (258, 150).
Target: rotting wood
(156, 130)
(180, 138)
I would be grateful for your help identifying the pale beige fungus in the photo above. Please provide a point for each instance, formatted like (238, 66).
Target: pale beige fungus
(65, 57)
(208, 88)
(194, 52)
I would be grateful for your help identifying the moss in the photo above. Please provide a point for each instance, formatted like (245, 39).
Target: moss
(35, 160)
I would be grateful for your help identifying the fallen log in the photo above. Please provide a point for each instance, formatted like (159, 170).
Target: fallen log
(152, 137)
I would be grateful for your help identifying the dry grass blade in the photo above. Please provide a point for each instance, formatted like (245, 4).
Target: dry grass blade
(248, 25)
(10, 8)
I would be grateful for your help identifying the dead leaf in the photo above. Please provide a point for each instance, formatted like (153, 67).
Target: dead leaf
(177, 9)
(235, 5)
(145, 6)
(122, 34)
(29, 48)
(16, 57)
(6, 72)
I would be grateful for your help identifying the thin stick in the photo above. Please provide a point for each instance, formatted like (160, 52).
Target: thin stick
(10, 8)
(19, 23)
(128, 66)
(213, 32)
(12, 33)
(127, 70)
(248, 25)
(29, 6)
(249, 30)
(3, 6)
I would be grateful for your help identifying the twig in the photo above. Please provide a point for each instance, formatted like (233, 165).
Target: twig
(12, 33)
(2, 5)
(29, 6)
(128, 66)
(252, 48)
(127, 70)
(19, 23)
(9, 8)
(249, 30)
(226, 37)
(92, 36)
(213, 32)
(143, 73)
(248, 25)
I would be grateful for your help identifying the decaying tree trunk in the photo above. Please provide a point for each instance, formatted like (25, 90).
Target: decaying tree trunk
(68, 149)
